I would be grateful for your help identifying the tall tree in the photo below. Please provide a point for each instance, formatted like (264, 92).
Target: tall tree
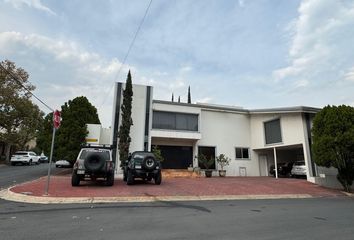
(127, 121)
(189, 95)
(20, 118)
(172, 98)
(333, 141)
(179, 99)
(71, 135)
(44, 138)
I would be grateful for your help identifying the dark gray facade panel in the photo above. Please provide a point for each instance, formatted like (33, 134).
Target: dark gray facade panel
(147, 117)
(175, 121)
(116, 120)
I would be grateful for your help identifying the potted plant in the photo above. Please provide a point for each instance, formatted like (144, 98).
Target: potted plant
(223, 161)
(207, 163)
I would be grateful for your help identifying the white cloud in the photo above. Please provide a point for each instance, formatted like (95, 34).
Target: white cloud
(322, 43)
(37, 4)
(62, 70)
(241, 3)
(350, 75)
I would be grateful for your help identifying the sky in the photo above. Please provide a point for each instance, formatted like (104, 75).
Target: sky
(249, 53)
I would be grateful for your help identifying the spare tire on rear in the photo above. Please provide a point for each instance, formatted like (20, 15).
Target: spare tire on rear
(149, 163)
(94, 161)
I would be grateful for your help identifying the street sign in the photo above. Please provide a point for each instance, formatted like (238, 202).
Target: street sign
(56, 119)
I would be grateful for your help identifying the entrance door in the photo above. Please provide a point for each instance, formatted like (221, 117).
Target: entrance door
(176, 157)
(263, 165)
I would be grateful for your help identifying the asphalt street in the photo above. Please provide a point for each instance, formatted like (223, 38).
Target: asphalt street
(321, 218)
(11, 175)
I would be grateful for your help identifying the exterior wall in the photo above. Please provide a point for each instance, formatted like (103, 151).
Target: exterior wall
(98, 135)
(139, 116)
(291, 129)
(225, 131)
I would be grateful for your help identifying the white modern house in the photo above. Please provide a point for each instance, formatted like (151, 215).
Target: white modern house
(253, 139)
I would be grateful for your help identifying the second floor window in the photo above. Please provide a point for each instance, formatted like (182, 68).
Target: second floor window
(175, 121)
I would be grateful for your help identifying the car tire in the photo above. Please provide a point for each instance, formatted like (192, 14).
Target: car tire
(12, 164)
(158, 178)
(110, 179)
(75, 180)
(94, 162)
(124, 175)
(149, 163)
(130, 178)
(30, 162)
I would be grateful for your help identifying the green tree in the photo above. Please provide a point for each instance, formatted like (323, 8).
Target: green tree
(20, 118)
(44, 138)
(127, 121)
(72, 132)
(157, 152)
(333, 141)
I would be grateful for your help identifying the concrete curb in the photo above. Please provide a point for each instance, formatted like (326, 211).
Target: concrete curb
(16, 197)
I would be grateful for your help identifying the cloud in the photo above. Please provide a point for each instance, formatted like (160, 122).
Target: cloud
(62, 70)
(36, 4)
(321, 45)
(350, 75)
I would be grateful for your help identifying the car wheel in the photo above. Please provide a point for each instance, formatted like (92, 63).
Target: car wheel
(158, 178)
(149, 163)
(30, 162)
(110, 179)
(12, 164)
(130, 178)
(75, 179)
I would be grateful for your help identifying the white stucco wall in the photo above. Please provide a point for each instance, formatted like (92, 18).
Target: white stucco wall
(291, 129)
(226, 131)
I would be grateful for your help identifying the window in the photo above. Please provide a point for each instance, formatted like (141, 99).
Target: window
(242, 153)
(272, 131)
(175, 121)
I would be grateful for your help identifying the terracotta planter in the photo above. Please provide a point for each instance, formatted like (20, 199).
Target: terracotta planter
(208, 173)
(222, 173)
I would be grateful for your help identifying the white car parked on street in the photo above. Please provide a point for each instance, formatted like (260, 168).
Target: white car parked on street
(25, 157)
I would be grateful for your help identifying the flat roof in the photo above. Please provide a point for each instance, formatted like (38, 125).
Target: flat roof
(242, 110)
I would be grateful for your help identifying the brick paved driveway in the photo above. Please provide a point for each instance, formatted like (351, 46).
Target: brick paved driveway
(61, 187)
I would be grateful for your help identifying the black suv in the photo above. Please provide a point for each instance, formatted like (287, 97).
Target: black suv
(94, 162)
(284, 169)
(142, 165)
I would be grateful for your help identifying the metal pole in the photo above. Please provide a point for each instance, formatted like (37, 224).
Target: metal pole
(50, 162)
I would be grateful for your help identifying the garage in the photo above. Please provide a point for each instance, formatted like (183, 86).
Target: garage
(176, 157)
(284, 157)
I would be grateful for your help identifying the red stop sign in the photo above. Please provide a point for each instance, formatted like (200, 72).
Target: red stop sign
(56, 119)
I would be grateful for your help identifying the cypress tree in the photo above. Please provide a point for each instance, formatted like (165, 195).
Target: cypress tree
(127, 122)
(179, 99)
(189, 95)
(172, 99)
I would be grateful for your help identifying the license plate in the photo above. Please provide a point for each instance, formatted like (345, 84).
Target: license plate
(80, 171)
(138, 167)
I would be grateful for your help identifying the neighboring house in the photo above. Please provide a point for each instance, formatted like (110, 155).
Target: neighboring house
(253, 139)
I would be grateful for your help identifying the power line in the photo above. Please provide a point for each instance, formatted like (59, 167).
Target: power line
(15, 77)
(130, 47)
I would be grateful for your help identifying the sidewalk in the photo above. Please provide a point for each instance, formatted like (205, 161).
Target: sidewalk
(171, 189)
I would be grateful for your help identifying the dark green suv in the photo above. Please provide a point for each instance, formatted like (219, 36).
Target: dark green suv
(142, 165)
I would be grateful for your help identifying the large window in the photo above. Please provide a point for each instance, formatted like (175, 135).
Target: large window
(175, 121)
(242, 153)
(272, 131)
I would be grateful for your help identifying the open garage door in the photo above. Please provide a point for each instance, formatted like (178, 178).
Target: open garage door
(176, 157)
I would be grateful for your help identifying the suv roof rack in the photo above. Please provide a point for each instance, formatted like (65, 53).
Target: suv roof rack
(105, 146)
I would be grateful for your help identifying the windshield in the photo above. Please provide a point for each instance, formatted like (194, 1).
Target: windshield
(104, 154)
(21, 153)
